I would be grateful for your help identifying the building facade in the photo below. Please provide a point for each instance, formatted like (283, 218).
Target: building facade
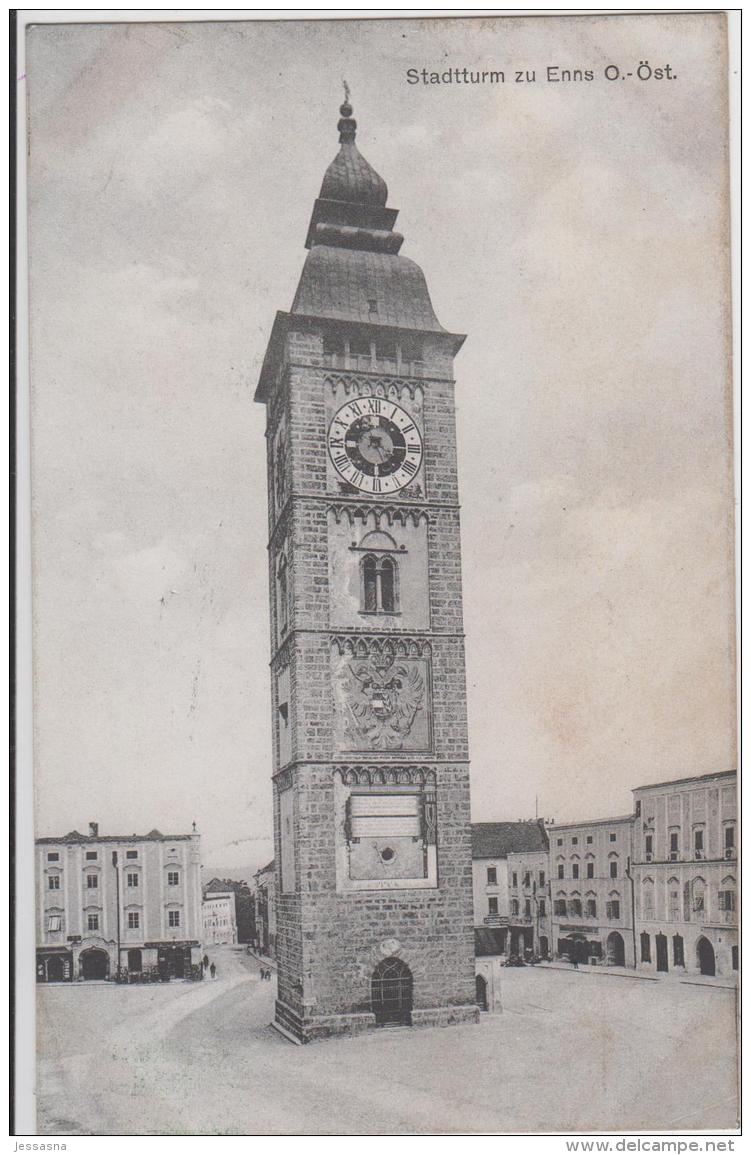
(686, 875)
(219, 918)
(107, 902)
(511, 888)
(529, 902)
(265, 897)
(591, 890)
(371, 774)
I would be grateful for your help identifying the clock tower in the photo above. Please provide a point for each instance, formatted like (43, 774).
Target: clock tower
(371, 773)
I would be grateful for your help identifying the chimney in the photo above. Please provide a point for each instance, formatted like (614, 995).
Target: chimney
(93, 830)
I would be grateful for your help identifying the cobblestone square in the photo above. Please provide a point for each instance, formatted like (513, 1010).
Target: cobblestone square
(570, 1051)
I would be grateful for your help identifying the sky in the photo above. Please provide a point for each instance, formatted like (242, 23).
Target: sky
(576, 232)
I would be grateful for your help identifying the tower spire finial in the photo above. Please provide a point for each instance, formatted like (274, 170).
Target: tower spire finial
(347, 126)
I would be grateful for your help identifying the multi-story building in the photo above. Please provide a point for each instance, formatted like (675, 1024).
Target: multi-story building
(510, 885)
(219, 918)
(685, 875)
(117, 901)
(591, 890)
(529, 899)
(266, 909)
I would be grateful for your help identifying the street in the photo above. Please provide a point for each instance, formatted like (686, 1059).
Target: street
(571, 1051)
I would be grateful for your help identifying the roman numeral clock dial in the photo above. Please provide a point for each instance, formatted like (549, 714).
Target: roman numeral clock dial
(374, 445)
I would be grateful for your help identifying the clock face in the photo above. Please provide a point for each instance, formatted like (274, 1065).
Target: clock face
(375, 445)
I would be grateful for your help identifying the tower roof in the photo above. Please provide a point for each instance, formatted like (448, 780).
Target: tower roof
(349, 177)
(353, 274)
(350, 211)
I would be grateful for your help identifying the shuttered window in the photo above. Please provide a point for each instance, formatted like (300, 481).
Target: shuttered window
(385, 815)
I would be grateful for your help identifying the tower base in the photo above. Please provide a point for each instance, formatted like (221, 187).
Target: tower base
(314, 1027)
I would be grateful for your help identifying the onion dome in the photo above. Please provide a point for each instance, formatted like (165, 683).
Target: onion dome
(349, 177)
(350, 211)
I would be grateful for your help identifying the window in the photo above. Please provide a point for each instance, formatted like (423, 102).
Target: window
(333, 345)
(514, 879)
(53, 856)
(92, 881)
(54, 882)
(173, 878)
(492, 905)
(592, 907)
(55, 922)
(134, 920)
(614, 869)
(411, 351)
(589, 840)
(560, 870)
(92, 855)
(514, 905)
(648, 900)
(559, 842)
(590, 870)
(646, 950)
(574, 841)
(379, 585)
(612, 837)
(613, 909)
(527, 878)
(92, 921)
(541, 877)
(698, 895)
(281, 575)
(492, 876)
(673, 845)
(575, 870)
(727, 900)
(674, 904)
(386, 349)
(541, 907)
(527, 908)
(648, 841)
(359, 346)
(559, 906)
(637, 809)
(173, 917)
(576, 907)
(132, 879)
(131, 854)
(729, 841)
(699, 842)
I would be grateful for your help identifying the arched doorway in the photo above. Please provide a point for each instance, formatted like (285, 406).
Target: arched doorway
(481, 992)
(95, 964)
(134, 961)
(616, 950)
(705, 956)
(661, 951)
(391, 993)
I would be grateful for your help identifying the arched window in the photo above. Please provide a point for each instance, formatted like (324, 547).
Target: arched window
(283, 598)
(379, 584)
(370, 585)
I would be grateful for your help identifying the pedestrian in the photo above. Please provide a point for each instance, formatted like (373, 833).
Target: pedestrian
(205, 961)
(212, 968)
(575, 960)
